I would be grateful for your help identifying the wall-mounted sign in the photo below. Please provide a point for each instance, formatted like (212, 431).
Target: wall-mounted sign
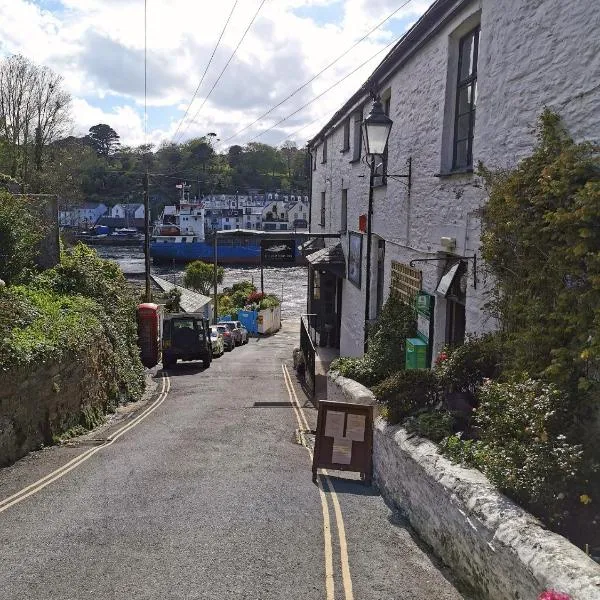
(355, 257)
(344, 439)
(277, 252)
(424, 304)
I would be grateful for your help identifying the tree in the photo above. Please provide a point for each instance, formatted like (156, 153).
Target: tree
(34, 111)
(199, 276)
(104, 139)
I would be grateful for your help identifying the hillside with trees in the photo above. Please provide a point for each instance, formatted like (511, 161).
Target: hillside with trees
(37, 150)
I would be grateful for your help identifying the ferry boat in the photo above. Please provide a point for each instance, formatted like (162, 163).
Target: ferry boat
(180, 237)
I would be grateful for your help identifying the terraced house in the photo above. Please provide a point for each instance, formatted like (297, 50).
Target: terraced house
(466, 84)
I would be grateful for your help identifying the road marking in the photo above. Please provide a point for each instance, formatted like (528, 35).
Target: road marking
(339, 519)
(40, 484)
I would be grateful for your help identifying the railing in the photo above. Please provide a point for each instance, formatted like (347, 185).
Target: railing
(309, 352)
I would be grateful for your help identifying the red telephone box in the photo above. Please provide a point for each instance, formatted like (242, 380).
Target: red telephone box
(149, 320)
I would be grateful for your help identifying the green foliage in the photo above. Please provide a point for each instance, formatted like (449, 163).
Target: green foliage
(199, 276)
(387, 343)
(269, 301)
(406, 393)
(436, 425)
(173, 303)
(459, 450)
(239, 293)
(541, 242)
(20, 233)
(82, 273)
(464, 368)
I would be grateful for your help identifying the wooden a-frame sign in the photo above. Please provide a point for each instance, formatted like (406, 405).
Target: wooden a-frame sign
(344, 440)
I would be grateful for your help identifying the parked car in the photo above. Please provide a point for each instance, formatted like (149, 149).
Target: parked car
(235, 330)
(243, 331)
(217, 341)
(186, 336)
(228, 337)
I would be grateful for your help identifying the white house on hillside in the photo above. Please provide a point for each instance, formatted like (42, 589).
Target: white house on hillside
(125, 211)
(83, 215)
(465, 84)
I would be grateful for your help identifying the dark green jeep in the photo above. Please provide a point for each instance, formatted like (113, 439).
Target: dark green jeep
(186, 336)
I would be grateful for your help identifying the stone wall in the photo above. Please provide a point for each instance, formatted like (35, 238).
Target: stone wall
(41, 402)
(491, 544)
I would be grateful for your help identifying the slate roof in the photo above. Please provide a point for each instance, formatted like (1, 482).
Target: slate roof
(331, 259)
(190, 301)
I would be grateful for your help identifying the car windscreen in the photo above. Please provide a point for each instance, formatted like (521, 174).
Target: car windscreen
(178, 324)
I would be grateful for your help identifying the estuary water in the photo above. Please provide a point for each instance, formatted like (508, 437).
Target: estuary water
(289, 283)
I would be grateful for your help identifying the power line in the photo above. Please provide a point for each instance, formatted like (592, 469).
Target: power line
(362, 39)
(322, 93)
(224, 68)
(205, 71)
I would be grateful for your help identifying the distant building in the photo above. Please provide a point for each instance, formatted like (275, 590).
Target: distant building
(127, 211)
(83, 215)
(298, 214)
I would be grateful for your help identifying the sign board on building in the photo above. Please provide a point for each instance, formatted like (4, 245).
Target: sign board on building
(277, 252)
(344, 439)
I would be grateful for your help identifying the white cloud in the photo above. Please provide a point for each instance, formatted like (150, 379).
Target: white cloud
(97, 45)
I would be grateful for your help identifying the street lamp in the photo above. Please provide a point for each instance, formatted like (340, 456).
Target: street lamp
(377, 127)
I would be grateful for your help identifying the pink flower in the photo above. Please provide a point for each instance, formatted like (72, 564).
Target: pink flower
(553, 595)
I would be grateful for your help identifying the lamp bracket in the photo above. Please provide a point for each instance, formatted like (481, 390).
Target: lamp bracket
(473, 258)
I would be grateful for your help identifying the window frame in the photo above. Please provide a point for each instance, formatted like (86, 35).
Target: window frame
(464, 84)
(324, 151)
(357, 119)
(346, 136)
(322, 221)
(344, 211)
(380, 175)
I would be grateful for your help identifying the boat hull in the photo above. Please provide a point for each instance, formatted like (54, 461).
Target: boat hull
(248, 254)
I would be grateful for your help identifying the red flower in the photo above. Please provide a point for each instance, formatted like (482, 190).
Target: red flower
(553, 595)
(442, 356)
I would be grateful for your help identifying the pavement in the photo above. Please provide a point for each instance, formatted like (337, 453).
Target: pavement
(203, 491)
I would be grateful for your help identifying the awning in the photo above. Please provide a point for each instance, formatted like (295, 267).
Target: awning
(446, 281)
(330, 259)
(311, 246)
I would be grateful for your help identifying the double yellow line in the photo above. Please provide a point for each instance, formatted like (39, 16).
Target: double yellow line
(329, 580)
(39, 485)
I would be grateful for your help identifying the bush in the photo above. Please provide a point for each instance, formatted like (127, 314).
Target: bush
(464, 368)
(406, 393)
(435, 425)
(522, 448)
(387, 342)
(360, 369)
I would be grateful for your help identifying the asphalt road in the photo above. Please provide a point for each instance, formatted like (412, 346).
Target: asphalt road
(207, 495)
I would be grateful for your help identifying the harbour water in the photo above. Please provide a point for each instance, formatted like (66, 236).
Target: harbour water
(289, 283)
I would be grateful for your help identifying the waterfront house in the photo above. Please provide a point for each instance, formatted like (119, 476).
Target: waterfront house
(82, 215)
(465, 84)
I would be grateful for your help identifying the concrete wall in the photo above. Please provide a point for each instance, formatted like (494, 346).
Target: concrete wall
(532, 53)
(48, 399)
(491, 544)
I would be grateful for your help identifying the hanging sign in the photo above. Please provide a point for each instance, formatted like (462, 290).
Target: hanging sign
(344, 440)
(277, 252)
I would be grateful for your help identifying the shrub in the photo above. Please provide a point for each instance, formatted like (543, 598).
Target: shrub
(435, 425)
(360, 369)
(462, 451)
(387, 342)
(407, 392)
(525, 451)
(464, 368)
(269, 301)
(173, 303)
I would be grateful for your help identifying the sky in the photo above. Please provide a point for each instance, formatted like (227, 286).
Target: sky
(97, 46)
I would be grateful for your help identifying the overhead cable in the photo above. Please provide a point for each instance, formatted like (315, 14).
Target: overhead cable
(224, 68)
(362, 39)
(322, 93)
(205, 71)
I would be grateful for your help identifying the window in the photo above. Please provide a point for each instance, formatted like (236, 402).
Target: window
(346, 145)
(466, 100)
(357, 135)
(324, 151)
(344, 220)
(314, 163)
(322, 209)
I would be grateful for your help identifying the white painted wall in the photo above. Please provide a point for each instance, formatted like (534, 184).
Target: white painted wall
(532, 53)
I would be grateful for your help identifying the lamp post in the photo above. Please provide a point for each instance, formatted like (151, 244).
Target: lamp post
(376, 127)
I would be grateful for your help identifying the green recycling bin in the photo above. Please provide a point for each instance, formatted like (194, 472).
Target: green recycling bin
(416, 354)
